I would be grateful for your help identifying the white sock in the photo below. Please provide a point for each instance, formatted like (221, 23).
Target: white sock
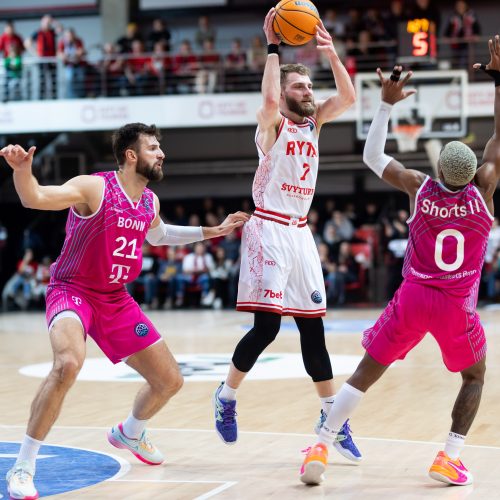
(326, 403)
(346, 401)
(227, 393)
(132, 427)
(454, 445)
(29, 450)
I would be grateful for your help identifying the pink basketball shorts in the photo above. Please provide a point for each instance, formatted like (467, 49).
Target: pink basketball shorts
(417, 309)
(115, 321)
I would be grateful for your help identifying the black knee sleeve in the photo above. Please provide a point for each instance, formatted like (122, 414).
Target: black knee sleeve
(314, 354)
(265, 328)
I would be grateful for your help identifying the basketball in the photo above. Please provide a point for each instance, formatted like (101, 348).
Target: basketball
(295, 21)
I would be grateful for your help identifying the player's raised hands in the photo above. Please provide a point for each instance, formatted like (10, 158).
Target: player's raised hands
(323, 38)
(494, 64)
(271, 36)
(393, 88)
(17, 157)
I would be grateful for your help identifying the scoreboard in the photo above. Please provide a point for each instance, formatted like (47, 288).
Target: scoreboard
(417, 41)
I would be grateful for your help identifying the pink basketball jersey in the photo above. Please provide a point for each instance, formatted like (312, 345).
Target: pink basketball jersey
(103, 251)
(286, 177)
(448, 236)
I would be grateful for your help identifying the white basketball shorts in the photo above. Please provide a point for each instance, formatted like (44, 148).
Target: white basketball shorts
(280, 268)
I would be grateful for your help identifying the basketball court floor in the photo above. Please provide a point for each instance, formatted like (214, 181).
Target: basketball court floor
(399, 426)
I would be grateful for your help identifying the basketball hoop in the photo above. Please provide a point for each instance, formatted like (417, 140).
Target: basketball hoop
(407, 136)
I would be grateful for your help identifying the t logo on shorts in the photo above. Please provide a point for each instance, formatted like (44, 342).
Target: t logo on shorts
(316, 297)
(76, 300)
(141, 329)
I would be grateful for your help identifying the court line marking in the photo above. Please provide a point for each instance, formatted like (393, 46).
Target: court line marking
(264, 433)
(224, 486)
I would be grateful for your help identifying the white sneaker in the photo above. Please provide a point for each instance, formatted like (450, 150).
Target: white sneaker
(208, 298)
(20, 482)
(142, 448)
(217, 304)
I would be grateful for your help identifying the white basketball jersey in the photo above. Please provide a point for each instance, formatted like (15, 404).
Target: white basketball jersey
(286, 177)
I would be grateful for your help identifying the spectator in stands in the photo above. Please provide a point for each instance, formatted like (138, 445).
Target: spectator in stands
(209, 65)
(196, 268)
(257, 55)
(137, 78)
(343, 226)
(13, 65)
(365, 56)
(332, 239)
(19, 287)
(231, 245)
(463, 28)
(43, 43)
(308, 55)
(220, 277)
(8, 37)
(42, 279)
(235, 64)
(147, 279)
(346, 270)
(111, 69)
(168, 272)
(374, 24)
(180, 217)
(333, 25)
(71, 51)
(392, 19)
(328, 268)
(185, 65)
(204, 32)
(423, 9)
(396, 231)
(159, 33)
(124, 43)
(369, 215)
(160, 69)
(353, 26)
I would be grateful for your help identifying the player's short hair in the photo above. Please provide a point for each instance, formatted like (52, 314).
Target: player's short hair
(127, 137)
(286, 69)
(458, 163)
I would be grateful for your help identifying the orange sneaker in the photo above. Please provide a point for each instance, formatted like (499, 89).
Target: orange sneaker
(314, 464)
(450, 471)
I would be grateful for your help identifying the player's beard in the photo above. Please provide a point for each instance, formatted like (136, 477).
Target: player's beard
(299, 107)
(151, 172)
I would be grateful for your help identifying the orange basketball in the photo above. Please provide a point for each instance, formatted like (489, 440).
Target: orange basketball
(295, 21)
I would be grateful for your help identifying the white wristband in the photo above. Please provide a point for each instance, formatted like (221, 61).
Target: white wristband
(373, 154)
(167, 234)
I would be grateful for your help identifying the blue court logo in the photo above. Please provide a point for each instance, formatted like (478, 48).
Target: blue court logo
(141, 329)
(316, 297)
(60, 469)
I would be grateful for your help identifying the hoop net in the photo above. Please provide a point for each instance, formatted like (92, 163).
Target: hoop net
(407, 136)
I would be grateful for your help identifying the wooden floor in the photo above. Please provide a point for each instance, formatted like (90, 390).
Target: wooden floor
(399, 426)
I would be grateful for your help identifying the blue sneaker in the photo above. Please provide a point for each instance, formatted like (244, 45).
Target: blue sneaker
(345, 445)
(225, 418)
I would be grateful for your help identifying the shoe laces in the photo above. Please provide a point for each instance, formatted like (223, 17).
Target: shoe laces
(345, 432)
(146, 443)
(228, 415)
(23, 476)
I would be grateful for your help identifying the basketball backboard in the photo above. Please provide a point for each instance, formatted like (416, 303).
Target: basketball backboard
(439, 106)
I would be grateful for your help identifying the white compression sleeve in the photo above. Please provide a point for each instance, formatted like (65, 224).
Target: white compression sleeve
(166, 234)
(373, 154)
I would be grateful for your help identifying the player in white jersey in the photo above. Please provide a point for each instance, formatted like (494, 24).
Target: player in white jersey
(280, 267)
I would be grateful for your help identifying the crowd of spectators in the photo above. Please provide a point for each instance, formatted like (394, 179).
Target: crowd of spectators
(144, 61)
(354, 243)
